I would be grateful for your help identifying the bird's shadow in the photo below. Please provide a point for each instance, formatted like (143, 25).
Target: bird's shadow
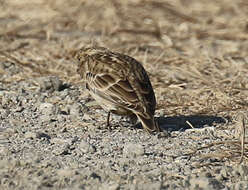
(181, 123)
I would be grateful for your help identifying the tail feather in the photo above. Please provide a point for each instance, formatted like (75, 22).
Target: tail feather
(149, 124)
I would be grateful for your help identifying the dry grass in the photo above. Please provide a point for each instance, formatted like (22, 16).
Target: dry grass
(195, 51)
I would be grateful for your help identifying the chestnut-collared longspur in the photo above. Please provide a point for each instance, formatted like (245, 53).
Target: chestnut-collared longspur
(119, 84)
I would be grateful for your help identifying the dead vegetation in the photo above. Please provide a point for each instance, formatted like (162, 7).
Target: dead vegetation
(195, 51)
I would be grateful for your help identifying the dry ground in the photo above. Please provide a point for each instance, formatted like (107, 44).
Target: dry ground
(196, 53)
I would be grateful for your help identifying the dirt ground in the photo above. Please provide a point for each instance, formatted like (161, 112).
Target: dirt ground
(53, 135)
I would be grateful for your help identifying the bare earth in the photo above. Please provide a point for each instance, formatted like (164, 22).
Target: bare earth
(53, 135)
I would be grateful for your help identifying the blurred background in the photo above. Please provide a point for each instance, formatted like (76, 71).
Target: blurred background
(195, 51)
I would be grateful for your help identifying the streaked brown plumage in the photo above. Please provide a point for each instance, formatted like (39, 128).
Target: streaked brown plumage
(119, 84)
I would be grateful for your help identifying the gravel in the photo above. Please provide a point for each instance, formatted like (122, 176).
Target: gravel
(51, 139)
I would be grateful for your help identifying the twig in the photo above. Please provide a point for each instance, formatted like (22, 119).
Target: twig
(154, 33)
(190, 124)
(242, 139)
(33, 68)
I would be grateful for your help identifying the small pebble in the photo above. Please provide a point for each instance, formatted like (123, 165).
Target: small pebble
(133, 150)
(47, 108)
(86, 147)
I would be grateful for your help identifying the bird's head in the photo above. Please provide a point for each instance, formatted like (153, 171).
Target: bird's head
(85, 53)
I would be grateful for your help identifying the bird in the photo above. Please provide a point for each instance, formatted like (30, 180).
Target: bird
(119, 84)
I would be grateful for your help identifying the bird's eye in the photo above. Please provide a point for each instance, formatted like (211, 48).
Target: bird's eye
(78, 58)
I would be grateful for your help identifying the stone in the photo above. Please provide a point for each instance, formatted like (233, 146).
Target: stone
(134, 150)
(85, 147)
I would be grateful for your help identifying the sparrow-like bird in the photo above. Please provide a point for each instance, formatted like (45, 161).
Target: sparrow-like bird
(119, 84)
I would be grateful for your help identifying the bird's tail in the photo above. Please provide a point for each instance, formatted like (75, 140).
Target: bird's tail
(149, 123)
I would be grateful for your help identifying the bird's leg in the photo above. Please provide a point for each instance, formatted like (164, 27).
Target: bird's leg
(158, 129)
(133, 119)
(108, 123)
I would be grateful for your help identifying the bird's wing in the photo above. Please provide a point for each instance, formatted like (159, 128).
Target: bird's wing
(111, 77)
(117, 90)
